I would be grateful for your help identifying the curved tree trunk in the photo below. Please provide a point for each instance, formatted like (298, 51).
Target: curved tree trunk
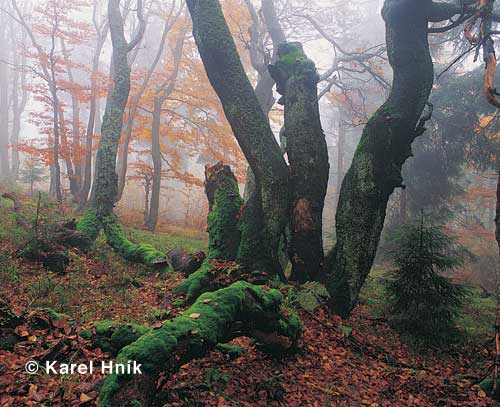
(100, 214)
(216, 317)
(384, 146)
(297, 80)
(249, 123)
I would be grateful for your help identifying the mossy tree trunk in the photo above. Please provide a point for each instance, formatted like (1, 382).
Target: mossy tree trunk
(105, 178)
(100, 213)
(384, 146)
(216, 317)
(249, 124)
(224, 206)
(296, 79)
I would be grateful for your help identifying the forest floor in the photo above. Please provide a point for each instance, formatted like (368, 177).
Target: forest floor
(358, 362)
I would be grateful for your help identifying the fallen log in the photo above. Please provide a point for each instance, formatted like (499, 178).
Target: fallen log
(216, 317)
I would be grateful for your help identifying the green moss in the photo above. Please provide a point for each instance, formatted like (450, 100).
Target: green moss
(135, 252)
(196, 283)
(208, 322)
(111, 336)
(89, 224)
(223, 234)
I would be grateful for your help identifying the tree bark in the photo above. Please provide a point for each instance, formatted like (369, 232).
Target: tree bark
(216, 317)
(384, 146)
(248, 122)
(105, 178)
(224, 207)
(296, 79)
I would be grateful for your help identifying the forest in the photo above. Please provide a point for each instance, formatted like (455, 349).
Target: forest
(241, 203)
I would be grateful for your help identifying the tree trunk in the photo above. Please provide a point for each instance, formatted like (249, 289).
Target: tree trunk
(91, 124)
(216, 317)
(161, 96)
(157, 165)
(248, 122)
(75, 150)
(100, 214)
(105, 178)
(18, 107)
(340, 154)
(67, 147)
(224, 206)
(4, 104)
(147, 189)
(123, 157)
(384, 146)
(296, 79)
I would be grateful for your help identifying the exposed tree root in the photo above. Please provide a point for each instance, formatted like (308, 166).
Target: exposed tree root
(216, 317)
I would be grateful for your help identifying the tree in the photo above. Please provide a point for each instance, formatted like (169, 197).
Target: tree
(384, 146)
(422, 301)
(251, 129)
(32, 173)
(4, 103)
(100, 213)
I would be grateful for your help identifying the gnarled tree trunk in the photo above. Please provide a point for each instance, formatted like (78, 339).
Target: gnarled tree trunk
(384, 147)
(249, 124)
(297, 80)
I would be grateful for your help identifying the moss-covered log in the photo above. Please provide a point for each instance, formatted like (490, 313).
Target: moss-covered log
(224, 207)
(216, 317)
(384, 147)
(296, 79)
(135, 252)
(143, 253)
(248, 122)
